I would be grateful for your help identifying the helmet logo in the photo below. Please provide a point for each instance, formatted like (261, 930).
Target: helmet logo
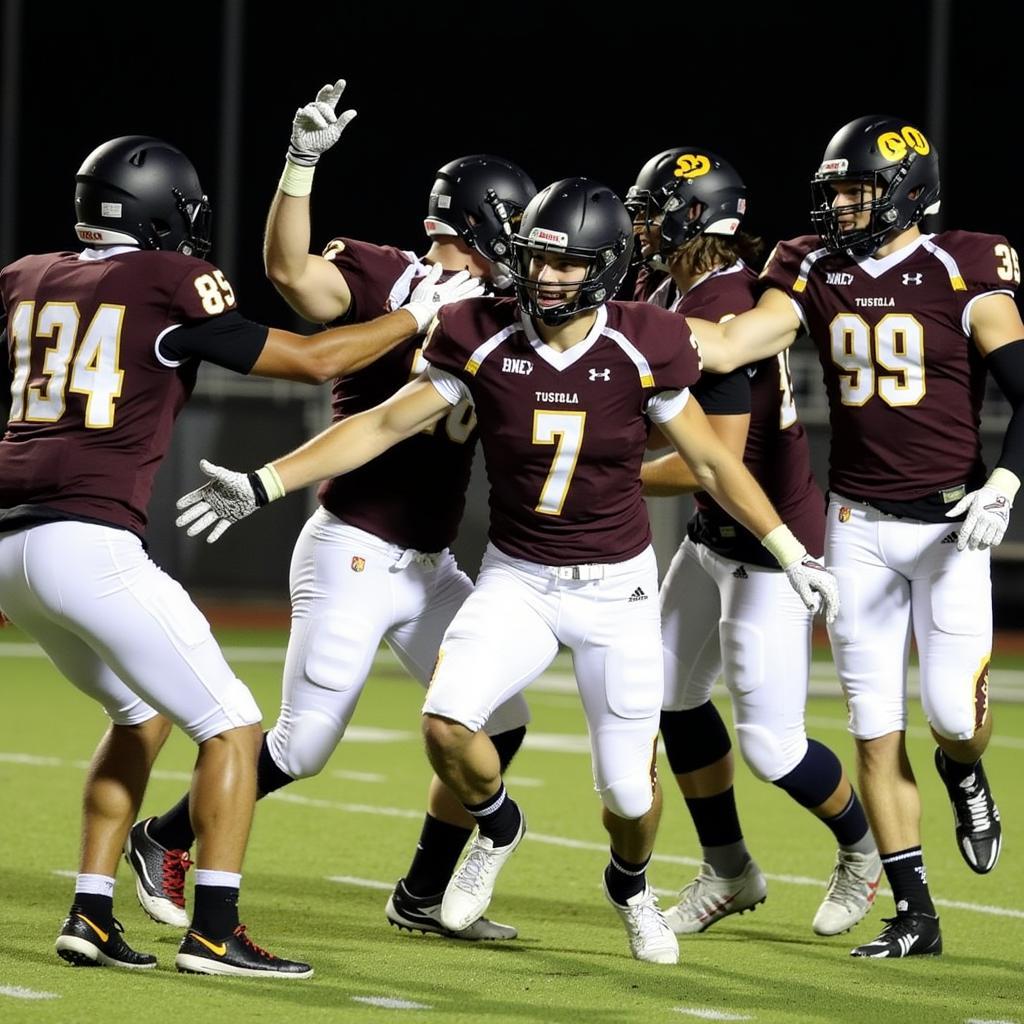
(894, 145)
(691, 165)
(110, 210)
(834, 167)
(549, 237)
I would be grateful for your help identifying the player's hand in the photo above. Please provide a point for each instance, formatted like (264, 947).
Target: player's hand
(816, 586)
(430, 295)
(988, 515)
(227, 498)
(317, 127)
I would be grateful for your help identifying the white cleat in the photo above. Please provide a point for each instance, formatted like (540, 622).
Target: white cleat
(850, 892)
(650, 937)
(470, 889)
(709, 898)
(423, 914)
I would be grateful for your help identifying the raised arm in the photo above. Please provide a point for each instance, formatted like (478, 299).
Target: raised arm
(310, 284)
(771, 326)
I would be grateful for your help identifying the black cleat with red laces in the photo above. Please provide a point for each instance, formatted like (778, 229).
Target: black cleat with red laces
(159, 875)
(237, 955)
(86, 943)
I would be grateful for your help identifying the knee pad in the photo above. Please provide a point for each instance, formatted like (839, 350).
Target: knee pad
(769, 756)
(629, 798)
(954, 713)
(694, 739)
(301, 746)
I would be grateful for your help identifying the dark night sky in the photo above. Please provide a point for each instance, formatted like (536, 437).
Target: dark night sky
(562, 89)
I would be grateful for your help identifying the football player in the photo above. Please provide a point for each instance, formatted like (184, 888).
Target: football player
(373, 562)
(103, 347)
(565, 385)
(726, 607)
(905, 324)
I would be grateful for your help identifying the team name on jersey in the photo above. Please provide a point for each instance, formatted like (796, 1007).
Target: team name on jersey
(875, 301)
(523, 366)
(835, 277)
(564, 397)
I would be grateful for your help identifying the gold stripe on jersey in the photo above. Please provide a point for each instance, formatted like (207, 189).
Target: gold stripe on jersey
(635, 355)
(481, 352)
(955, 277)
(805, 268)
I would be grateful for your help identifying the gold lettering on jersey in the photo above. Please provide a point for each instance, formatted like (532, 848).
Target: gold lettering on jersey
(894, 145)
(692, 165)
(564, 397)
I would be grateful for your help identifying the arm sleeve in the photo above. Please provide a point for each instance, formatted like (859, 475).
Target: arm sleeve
(228, 340)
(1007, 367)
(724, 394)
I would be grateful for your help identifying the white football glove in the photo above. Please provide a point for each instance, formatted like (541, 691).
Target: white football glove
(317, 127)
(227, 498)
(430, 295)
(988, 512)
(816, 586)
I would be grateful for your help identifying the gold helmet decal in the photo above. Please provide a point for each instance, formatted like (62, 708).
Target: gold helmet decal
(894, 145)
(691, 165)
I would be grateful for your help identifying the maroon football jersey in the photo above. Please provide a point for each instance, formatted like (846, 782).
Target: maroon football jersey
(564, 433)
(777, 452)
(904, 381)
(414, 494)
(93, 402)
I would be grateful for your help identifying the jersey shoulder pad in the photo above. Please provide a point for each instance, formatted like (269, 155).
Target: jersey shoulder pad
(977, 262)
(465, 333)
(661, 340)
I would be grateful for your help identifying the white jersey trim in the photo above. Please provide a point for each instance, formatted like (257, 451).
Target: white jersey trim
(955, 277)
(106, 252)
(667, 405)
(171, 364)
(448, 386)
(965, 320)
(800, 284)
(638, 359)
(481, 352)
(563, 360)
(875, 268)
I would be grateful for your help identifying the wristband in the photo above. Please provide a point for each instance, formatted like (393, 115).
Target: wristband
(1005, 481)
(269, 482)
(783, 546)
(296, 180)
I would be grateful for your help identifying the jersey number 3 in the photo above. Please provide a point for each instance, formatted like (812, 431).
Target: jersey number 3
(94, 363)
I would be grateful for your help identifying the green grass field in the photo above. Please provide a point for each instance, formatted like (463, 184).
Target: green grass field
(325, 852)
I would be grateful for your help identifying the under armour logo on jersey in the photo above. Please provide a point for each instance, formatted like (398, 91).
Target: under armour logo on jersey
(913, 278)
(605, 374)
(740, 573)
(638, 594)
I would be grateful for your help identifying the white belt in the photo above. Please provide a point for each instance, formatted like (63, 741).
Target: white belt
(424, 559)
(592, 571)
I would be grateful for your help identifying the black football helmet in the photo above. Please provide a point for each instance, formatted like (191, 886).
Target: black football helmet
(480, 199)
(697, 192)
(892, 156)
(583, 220)
(136, 190)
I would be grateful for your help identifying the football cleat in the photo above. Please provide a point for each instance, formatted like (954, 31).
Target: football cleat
(650, 937)
(979, 833)
(159, 875)
(709, 898)
(236, 955)
(423, 914)
(905, 934)
(83, 943)
(850, 892)
(469, 892)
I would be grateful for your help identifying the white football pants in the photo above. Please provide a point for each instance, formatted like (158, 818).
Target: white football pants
(120, 628)
(508, 632)
(897, 575)
(746, 623)
(349, 590)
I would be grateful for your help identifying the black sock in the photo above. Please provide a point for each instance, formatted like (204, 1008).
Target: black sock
(850, 825)
(216, 910)
(435, 858)
(498, 817)
(173, 830)
(624, 879)
(715, 818)
(98, 908)
(909, 883)
(269, 778)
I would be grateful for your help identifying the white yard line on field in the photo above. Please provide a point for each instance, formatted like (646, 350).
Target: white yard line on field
(390, 1003)
(17, 992)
